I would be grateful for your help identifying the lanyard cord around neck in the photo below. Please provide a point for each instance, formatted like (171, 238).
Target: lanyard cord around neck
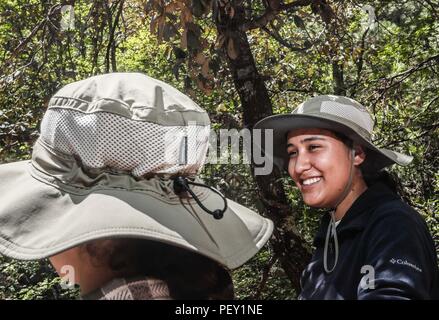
(332, 226)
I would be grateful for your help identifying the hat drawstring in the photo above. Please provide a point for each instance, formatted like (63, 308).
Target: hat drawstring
(332, 231)
(181, 184)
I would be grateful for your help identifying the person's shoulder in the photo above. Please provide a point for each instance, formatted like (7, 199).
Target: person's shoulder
(398, 224)
(395, 206)
(397, 214)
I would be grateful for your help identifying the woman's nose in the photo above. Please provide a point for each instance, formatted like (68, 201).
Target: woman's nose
(302, 164)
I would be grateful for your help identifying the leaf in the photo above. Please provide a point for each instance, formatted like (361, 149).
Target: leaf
(299, 22)
(222, 108)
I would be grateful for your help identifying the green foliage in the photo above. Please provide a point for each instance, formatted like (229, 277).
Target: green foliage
(36, 280)
(254, 281)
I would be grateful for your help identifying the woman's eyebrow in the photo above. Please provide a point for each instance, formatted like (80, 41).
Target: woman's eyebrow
(313, 138)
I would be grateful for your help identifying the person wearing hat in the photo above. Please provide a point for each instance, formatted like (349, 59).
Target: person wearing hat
(371, 245)
(112, 195)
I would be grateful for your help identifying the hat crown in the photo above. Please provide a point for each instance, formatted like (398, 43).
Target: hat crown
(341, 107)
(127, 122)
(133, 95)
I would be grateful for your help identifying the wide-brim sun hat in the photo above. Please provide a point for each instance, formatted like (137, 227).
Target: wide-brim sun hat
(103, 167)
(335, 113)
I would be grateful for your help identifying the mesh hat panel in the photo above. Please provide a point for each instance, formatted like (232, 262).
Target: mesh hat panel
(104, 139)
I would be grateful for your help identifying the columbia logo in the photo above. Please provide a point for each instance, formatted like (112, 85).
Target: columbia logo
(405, 263)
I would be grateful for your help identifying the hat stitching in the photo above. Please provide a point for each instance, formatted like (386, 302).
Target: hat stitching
(52, 104)
(318, 115)
(53, 182)
(138, 119)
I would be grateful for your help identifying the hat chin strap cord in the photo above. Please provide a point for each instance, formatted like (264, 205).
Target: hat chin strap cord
(332, 226)
(181, 184)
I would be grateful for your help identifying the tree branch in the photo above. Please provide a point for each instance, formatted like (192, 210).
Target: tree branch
(274, 8)
(390, 82)
(20, 47)
(276, 36)
(424, 133)
(359, 63)
(265, 274)
(111, 47)
(409, 72)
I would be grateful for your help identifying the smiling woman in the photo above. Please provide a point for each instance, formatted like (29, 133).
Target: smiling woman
(321, 165)
(325, 145)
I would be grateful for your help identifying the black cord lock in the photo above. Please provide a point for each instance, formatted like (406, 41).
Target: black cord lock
(181, 184)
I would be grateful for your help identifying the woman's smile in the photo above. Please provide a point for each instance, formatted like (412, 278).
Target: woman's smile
(311, 181)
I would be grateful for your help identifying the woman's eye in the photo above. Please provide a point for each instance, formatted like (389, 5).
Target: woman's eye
(292, 154)
(313, 147)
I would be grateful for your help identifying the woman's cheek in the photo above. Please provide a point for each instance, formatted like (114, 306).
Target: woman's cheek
(291, 169)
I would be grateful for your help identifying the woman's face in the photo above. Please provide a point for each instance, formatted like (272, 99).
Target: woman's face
(319, 164)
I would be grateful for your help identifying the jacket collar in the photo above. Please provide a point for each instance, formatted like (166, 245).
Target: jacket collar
(356, 217)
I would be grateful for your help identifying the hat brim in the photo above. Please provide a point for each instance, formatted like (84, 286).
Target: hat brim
(38, 219)
(376, 159)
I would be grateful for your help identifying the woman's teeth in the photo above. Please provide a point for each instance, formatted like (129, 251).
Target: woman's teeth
(307, 182)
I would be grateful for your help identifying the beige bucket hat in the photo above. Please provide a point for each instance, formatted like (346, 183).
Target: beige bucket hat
(335, 113)
(105, 166)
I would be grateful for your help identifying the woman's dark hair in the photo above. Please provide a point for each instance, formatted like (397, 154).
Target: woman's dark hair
(372, 178)
(188, 275)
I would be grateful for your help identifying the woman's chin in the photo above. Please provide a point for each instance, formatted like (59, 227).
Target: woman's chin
(314, 203)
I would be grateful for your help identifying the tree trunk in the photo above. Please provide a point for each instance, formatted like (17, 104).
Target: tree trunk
(337, 74)
(288, 245)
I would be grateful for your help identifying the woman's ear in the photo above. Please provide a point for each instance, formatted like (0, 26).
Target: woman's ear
(359, 155)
